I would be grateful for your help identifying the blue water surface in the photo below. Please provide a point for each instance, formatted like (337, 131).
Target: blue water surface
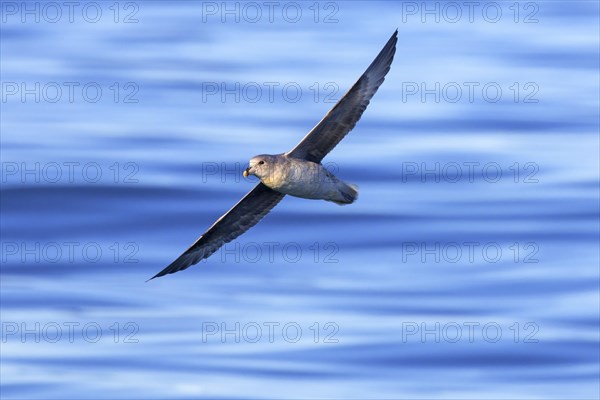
(468, 268)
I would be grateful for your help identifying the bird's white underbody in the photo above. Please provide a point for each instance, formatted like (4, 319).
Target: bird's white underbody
(300, 178)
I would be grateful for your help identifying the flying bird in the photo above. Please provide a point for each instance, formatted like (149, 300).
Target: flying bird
(298, 172)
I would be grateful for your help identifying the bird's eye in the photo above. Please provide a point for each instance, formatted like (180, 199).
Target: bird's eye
(261, 162)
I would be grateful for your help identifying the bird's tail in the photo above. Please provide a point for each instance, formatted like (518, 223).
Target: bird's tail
(348, 194)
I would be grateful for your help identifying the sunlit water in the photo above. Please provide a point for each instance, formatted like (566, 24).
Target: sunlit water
(468, 268)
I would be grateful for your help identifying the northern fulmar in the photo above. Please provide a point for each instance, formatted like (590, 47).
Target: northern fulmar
(298, 172)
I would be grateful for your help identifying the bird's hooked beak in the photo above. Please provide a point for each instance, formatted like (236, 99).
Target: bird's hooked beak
(246, 172)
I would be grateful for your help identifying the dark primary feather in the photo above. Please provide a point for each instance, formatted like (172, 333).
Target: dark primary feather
(243, 216)
(346, 113)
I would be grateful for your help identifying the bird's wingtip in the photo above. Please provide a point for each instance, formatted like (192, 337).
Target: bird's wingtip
(161, 273)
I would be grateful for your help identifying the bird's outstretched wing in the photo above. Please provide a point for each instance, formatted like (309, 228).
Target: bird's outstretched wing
(346, 113)
(243, 216)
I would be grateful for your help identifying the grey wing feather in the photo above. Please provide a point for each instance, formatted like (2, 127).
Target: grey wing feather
(243, 216)
(346, 113)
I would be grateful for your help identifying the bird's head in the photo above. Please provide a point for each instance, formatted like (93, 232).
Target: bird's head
(260, 166)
